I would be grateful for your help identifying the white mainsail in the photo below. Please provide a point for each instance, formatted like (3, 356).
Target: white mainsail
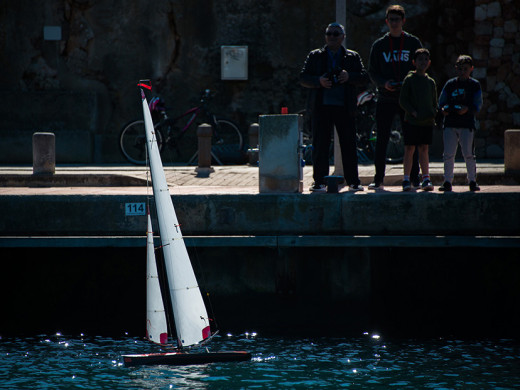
(189, 311)
(156, 328)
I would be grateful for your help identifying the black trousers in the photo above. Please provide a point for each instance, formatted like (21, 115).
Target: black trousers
(325, 118)
(386, 109)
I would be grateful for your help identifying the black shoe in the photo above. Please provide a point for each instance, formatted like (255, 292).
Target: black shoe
(407, 185)
(446, 187)
(473, 186)
(417, 181)
(427, 185)
(318, 188)
(376, 185)
(355, 187)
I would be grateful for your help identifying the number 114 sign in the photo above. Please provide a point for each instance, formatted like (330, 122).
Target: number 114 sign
(135, 209)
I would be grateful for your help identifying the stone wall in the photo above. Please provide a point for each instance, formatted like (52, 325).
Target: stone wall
(106, 46)
(497, 52)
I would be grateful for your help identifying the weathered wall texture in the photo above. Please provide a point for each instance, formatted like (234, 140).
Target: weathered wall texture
(83, 86)
(496, 51)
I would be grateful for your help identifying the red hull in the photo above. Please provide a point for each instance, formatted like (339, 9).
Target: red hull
(182, 358)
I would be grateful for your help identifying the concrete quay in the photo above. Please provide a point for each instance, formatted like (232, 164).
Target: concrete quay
(324, 264)
(85, 206)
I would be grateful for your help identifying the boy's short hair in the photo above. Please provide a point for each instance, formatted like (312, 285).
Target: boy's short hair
(464, 59)
(419, 51)
(395, 9)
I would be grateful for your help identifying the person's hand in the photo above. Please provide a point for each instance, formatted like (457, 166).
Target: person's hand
(325, 82)
(343, 76)
(463, 110)
(389, 86)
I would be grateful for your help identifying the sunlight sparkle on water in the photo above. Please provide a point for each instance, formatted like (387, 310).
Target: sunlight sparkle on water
(360, 362)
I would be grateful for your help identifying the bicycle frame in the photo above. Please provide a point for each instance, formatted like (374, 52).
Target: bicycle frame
(194, 111)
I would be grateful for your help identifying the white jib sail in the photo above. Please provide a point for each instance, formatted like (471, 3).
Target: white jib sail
(156, 328)
(189, 311)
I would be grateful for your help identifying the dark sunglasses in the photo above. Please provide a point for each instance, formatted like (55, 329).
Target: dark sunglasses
(333, 33)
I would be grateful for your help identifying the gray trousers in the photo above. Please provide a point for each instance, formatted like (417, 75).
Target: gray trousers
(453, 136)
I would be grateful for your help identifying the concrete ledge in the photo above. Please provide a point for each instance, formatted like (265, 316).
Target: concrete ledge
(270, 241)
(388, 214)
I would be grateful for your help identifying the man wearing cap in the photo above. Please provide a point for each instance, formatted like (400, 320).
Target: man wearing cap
(332, 74)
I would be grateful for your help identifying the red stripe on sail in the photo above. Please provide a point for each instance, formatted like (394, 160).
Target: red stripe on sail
(206, 332)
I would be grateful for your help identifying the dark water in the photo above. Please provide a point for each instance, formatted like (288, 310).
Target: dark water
(369, 361)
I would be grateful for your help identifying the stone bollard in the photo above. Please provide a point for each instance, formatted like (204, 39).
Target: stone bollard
(44, 153)
(204, 133)
(252, 152)
(512, 151)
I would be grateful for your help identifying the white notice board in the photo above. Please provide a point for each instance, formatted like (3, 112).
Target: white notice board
(233, 62)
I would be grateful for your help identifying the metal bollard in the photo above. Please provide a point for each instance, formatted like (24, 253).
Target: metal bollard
(512, 151)
(204, 133)
(252, 152)
(44, 153)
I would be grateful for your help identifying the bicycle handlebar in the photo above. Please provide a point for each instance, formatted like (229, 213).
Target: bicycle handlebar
(206, 95)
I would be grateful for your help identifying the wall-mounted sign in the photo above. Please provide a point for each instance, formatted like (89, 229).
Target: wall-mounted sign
(135, 209)
(233, 62)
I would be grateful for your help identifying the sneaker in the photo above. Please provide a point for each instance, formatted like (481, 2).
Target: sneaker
(417, 181)
(318, 188)
(446, 187)
(473, 186)
(376, 185)
(355, 187)
(407, 186)
(427, 185)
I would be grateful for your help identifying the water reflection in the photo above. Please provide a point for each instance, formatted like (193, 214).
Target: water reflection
(61, 361)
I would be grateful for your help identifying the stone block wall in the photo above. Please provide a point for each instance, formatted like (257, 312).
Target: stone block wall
(496, 52)
(105, 48)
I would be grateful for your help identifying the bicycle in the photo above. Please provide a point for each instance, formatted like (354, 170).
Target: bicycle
(227, 140)
(366, 135)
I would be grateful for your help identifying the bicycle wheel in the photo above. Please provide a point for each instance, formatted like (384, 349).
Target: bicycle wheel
(132, 142)
(228, 143)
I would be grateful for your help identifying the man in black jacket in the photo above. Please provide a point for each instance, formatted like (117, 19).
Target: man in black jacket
(332, 74)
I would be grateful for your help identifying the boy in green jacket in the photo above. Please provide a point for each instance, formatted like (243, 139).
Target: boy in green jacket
(419, 101)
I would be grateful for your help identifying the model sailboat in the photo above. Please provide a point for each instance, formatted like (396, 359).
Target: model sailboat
(187, 306)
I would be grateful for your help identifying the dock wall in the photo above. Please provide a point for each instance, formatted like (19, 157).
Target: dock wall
(320, 265)
(461, 214)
